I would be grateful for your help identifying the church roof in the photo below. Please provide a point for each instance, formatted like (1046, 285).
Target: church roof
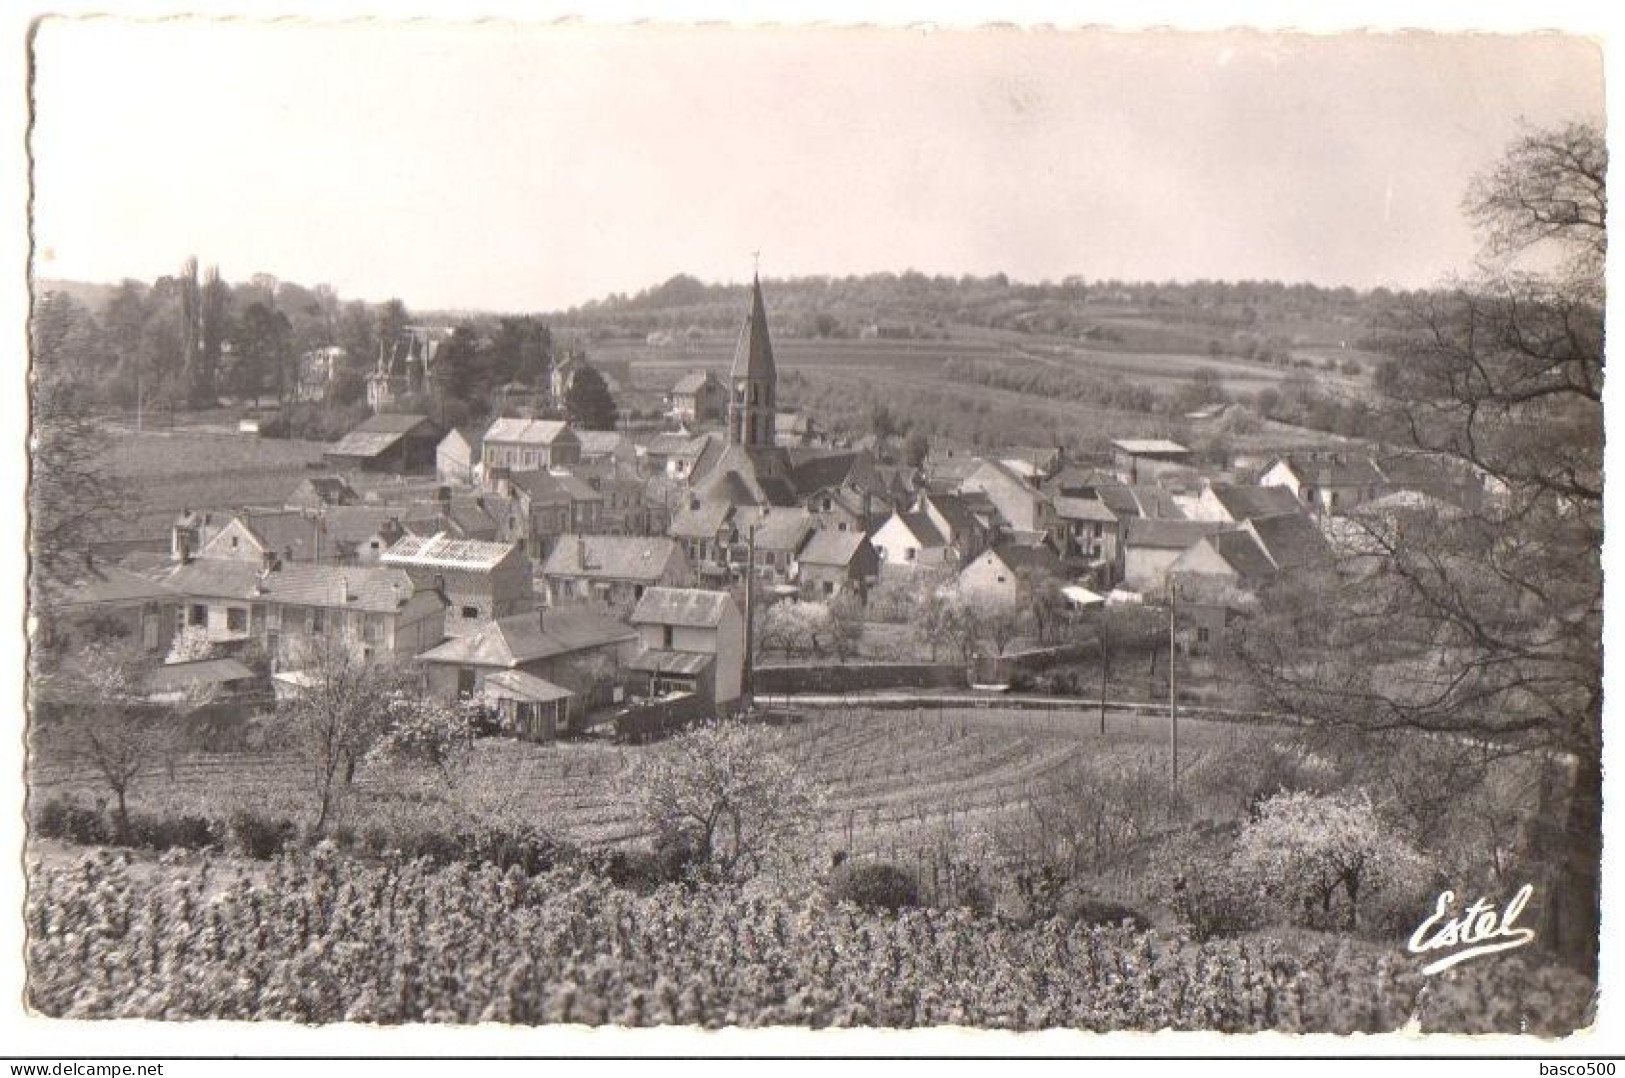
(753, 355)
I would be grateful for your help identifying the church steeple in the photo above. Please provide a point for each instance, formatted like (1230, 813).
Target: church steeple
(753, 382)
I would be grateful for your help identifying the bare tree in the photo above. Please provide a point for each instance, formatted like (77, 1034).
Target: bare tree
(72, 497)
(1484, 620)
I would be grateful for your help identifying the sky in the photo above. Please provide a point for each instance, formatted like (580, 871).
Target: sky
(503, 167)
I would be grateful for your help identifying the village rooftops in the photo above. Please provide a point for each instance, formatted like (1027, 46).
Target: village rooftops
(179, 677)
(378, 434)
(1150, 447)
(518, 685)
(528, 431)
(442, 551)
(827, 546)
(1335, 470)
(106, 584)
(680, 663)
(348, 587)
(1168, 534)
(1243, 554)
(531, 636)
(1085, 509)
(611, 557)
(1291, 541)
(694, 381)
(1248, 503)
(690, 607)
(776, 529)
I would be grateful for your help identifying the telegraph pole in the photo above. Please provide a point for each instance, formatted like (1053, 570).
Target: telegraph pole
(1173, 702)
(748, 690)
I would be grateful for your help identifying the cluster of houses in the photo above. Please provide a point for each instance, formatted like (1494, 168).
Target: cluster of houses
(560, 574)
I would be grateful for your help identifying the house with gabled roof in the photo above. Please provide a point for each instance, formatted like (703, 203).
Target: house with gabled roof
(1292, 542)
(102, 600)
(1327, 484)
(321, 491)
(527, 445)
(692, 641)
(909, 540)
(400, 443)
(999, 573)
(1142, 460)
(580, 648)
(699, 398)
(1090, 534)
(1234, 503)
(1021, 505)
(481, 581)
(1150, 547)
(457, 458)
(835, 562)
(1234, 557)
(613, 569)
(377, 612)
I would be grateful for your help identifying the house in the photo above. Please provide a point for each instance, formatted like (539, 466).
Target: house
(1234, 557)
(457, 458)
(217, 681)
(528, 445)
(1021, 506)
(403, 444)
(622, 498)
(481, 581)
(1292, 542)
(107, 601)
(705, 532)
(1092, 534)
(796, 429)
(909, 540)
(321, 491)
(1150, 547)
(1327, 484)
(376, 612)
(998, 574)
(544, 505)
(779, 534)
(836, 562)
(967, 522)
(699, 398)
(690, 641)
(317, 369)
(670, 453)
(1233, 504)
(578, 648)
(613, 569)
(607, 447)
(529, 707)
(1142, 460)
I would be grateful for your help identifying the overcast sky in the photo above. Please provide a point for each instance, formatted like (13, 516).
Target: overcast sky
(498, 167)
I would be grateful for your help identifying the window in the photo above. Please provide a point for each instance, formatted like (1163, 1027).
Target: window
(234, 543)
(373, 629)
(1001, 578)
(1201, 634)
(471, 611)
(829, 587)
(829, 503)
(908, 555)
(236, 619)
(666, 637)
(841, 527)
(465, 681)
(197, 614)
(318, 621)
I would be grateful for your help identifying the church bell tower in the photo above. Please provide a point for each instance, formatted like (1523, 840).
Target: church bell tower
(753, 382)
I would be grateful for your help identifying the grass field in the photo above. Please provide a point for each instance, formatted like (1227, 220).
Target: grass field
(895, 781)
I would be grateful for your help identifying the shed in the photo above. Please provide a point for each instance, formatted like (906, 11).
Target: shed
(530, 707)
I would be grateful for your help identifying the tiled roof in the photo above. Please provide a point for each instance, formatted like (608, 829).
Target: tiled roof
(1156, 503)
(176, 677)
(1248, 502)
(218, 578)
(1030, 559)
(826, 469)
(387, 423)
(1119, 499)
(611, 557)
(673, 444)
(1336, 471)
(956, 510)
(1167, 534)
(1083, 509)
(694, 381)
(701, 523)
(776, 529)
(1292, 541)
(924, 530)
(691, 607)
(681, 663)
(1144, 446)
(1243, 554)
(339, 586)
(364, 444)
(107, 584)
(597, 443)
(527, 431)
(536, 634)
(827, 546)
(518, 685)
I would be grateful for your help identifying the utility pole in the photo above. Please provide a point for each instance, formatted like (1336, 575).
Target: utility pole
(1173, 702)
(748, 690)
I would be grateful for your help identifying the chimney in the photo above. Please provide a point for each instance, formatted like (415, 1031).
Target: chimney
(269, 562)
(344, 589)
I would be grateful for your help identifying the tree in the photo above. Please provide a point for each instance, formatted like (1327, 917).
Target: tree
(724, 785)
(73, 498)
(1306, 852)
(1000, 622)
(264, 354)
(588, 404)
(109, 724)
(338, 714)
(915, 448)
(1486, 624)
(845, 624)
(425, 732)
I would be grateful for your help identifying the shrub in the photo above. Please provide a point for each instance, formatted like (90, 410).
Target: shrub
(171, 832)
(68, 820)
(259, 837)
(874, 885)
(1081, 908)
